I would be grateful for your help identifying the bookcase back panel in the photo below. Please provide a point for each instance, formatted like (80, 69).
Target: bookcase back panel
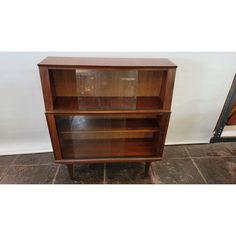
(64, 82)
(150, 82)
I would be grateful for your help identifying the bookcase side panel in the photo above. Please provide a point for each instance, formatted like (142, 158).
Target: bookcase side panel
(52, 127)
(159, 138)
(167, 90)
(46, 88)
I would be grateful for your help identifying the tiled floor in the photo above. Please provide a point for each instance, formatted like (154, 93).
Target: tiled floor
(185, 164)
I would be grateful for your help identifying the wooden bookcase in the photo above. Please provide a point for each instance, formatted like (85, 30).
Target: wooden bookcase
(102, 110)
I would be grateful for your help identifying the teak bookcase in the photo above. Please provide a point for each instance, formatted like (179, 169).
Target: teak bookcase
(102, 110)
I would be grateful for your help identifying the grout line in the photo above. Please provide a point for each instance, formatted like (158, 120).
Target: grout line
(199, 171)
(186, 150)
(5, 172)
(176, 158)
(56, 173)
(14, 160)
(104, 173)
(195, 164)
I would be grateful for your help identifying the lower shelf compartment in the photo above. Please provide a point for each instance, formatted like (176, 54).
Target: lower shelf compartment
(108, 148)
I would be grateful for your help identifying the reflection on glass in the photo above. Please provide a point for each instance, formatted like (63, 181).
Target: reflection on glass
(106, 89)
(107, 135)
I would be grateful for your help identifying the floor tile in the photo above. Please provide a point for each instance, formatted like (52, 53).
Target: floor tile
(126, 173)
(216, 162)
(175, 152)
(7, 160)
(218, 170)
(34, 159)
(210, 150)
(232, 148)
(2, 171)
(84, 174)
(43, 174)
(173, 171)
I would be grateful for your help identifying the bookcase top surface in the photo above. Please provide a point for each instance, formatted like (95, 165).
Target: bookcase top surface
(106, 62)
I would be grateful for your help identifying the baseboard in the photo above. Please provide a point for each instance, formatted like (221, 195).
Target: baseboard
(25, 148)
(185, 143)
(18, 151)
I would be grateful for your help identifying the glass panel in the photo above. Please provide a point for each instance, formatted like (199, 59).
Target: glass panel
(106, 89)
(107, 135)
(97, 89)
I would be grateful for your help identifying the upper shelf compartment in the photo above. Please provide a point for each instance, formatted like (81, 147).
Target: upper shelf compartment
(107, 89)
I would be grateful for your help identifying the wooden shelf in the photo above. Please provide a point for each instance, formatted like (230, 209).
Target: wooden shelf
(108, 125)
(108, 148)
(106, 103)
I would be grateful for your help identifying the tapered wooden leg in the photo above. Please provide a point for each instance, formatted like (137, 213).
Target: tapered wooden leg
(147, 166)
(71, 171)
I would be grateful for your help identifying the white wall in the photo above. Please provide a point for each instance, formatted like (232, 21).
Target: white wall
(202, 84)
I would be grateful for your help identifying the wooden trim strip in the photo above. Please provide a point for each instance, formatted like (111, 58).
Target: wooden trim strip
(108, 160)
